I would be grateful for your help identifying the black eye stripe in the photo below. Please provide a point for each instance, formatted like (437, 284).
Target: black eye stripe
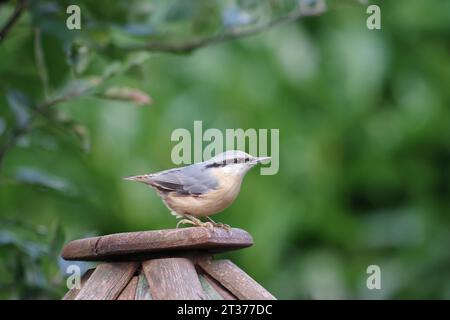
(216, 164)
(226, 162)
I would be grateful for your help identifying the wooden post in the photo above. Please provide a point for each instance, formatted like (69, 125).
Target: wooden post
(164, 264)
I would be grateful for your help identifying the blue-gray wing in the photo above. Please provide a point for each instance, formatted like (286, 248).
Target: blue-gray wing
(190, 180)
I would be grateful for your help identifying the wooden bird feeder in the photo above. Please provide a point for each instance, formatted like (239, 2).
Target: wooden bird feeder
(164, 264)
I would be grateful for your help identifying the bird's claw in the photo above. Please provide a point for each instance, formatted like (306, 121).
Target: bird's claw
(223, 226)
(196, 223)
(220, 225)
(184, 221)
(210, 225)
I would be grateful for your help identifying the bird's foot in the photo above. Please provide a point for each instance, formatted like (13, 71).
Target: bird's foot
(185, 221)
(208, 225)
(223, 226)
(219, 224)
(196, 223)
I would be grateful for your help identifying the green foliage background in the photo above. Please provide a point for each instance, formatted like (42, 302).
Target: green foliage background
(364, 138)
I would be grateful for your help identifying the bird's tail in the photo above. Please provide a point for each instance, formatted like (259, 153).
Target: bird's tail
(145, 178)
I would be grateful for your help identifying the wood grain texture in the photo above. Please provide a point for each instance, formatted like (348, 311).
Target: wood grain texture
(210, 291)
(72, 293)
(220, 289)
(234, 279)
(129, 292)
(173, 279)
(107, 281)
(135, 244)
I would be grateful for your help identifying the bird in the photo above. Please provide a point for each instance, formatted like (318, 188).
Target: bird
(201, 189)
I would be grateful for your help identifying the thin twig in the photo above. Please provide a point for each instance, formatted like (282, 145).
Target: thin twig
(40, 61)
(193, 44)
(20, 7)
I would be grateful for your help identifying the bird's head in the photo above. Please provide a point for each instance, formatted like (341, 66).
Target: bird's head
(234, 162)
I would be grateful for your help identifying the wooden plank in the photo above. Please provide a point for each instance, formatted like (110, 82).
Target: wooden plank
(210, 291)
(173, 279)
(138, 244)
(220, 289)
(130, 290)
(107, 281)
(142, 290)
(235, 280)
(72, 293)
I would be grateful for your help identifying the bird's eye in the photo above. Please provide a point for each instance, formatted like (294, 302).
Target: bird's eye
(247, 160)
(235, 160)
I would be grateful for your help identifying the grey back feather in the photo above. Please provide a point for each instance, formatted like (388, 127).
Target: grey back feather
(189, 180)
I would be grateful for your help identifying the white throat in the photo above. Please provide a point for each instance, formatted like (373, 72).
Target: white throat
(239, 169)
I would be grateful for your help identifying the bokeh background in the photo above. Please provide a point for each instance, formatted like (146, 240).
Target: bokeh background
(364, 126)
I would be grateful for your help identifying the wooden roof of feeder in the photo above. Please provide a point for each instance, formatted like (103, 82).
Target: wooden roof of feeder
(163, 264)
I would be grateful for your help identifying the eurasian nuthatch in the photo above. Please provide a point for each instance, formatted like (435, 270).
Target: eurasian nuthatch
(201, 189)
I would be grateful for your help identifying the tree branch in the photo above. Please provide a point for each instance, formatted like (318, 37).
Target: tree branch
(20, 7)
(193, 44)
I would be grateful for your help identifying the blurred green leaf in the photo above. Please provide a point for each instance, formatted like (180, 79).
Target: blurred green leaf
(2, 126)
(135, 29)
(78, 56)
(112, 69)
(181, 10)
(39, 178)
(57, 240)
(20, 106)
(233, 17)
(25, 254)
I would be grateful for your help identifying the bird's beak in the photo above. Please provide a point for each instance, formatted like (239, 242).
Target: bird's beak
(262, 159)
(140, 178)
